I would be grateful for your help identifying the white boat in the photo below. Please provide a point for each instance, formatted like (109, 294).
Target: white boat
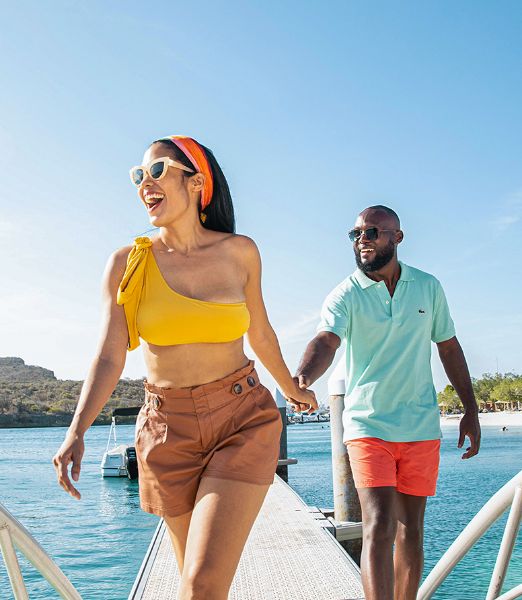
(120, 460)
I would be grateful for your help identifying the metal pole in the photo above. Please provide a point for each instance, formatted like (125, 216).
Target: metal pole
(346, 500)
(516, 592)
(12, 564)
(282, 470)
(32, 550)
(474, 530)
(506, 546)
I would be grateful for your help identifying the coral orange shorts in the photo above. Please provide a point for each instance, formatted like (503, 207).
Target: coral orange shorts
(411, 467)
(228, 429)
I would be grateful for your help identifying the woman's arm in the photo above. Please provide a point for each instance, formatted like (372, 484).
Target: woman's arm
(104, 374)
(262, 337)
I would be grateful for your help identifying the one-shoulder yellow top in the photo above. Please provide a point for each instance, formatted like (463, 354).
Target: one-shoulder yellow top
(161, 316)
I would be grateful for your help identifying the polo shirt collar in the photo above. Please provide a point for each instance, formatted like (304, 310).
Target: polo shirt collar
(365, 282)
(406, 273)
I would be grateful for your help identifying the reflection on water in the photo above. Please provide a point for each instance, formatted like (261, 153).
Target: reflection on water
(100, 541)
(119, 497)
(463, 488)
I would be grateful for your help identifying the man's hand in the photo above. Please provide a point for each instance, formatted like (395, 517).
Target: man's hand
(470, 426)
(301, 399)
(302, 381)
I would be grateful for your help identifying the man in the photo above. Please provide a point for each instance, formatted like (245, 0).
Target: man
(389, 313)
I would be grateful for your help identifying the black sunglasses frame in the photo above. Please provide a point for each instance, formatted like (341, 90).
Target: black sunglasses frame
(355, 234)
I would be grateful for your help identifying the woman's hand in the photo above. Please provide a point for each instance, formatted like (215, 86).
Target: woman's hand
(301, 399)
(71, 451)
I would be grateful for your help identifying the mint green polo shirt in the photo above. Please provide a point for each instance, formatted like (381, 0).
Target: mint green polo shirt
(389, 384)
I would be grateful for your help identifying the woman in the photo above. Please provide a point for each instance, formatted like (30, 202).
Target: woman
(207, 437)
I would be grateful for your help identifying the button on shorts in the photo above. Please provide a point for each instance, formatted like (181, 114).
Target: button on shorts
(228, 429)
(411, 467)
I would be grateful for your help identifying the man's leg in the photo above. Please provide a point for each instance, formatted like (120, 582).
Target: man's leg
(408, 558)
(416, 479)
(379, 517)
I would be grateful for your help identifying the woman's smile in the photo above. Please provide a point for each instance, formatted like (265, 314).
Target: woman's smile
(152, 200)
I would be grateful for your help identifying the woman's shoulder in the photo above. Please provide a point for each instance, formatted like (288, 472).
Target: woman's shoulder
(241, 243)
(243, 247)
(120, 255)
(117, 261)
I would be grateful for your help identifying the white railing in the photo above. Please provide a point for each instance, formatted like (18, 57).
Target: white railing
(14, 534)
(510, 494)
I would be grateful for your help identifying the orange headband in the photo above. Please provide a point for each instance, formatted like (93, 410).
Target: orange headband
(195, 153)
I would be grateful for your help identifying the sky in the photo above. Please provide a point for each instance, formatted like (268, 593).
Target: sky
(314, 110)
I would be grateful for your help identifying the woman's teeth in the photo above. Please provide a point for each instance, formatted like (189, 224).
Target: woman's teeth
(152, 200)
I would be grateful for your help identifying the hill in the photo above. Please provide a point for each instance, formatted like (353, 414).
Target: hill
(13, 368)
(31, 396)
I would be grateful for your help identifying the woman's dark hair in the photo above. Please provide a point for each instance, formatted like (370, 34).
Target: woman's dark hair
(220, 211)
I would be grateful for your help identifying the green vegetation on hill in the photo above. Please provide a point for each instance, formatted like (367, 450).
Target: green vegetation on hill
(493, 392)
(32, 396)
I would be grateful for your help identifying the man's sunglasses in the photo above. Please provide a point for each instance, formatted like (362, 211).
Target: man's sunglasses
(371, 234)
(156, 169)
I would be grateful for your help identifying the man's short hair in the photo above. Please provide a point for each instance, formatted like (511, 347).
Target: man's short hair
(389, 211)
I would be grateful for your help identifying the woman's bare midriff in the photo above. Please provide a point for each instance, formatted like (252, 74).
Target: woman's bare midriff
(188, 365)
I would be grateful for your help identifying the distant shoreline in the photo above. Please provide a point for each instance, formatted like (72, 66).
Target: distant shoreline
(497, 419)
(46, 422)
(493, 419)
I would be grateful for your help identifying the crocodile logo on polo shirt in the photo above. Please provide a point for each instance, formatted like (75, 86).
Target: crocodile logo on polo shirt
(422, 311)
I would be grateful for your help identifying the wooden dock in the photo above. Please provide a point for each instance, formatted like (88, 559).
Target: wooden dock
(290, 555)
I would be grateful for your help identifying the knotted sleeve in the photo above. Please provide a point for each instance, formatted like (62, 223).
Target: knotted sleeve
(129, 291)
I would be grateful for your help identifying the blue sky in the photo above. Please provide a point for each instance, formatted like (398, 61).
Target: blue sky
(315, 110)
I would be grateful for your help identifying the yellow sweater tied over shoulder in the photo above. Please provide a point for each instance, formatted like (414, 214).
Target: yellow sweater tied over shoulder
(129, 291)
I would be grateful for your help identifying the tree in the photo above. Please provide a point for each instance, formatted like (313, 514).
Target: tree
(484, 387)
(448, 399)
(508, 391)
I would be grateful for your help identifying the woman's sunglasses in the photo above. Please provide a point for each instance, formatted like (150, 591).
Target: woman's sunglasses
(371, 234)
(156, 169)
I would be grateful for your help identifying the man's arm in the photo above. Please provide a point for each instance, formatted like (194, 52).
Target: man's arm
(454, 363)
(318, 356)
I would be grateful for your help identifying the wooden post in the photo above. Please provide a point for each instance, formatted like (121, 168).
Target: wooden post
(346, 499)
(282, 470)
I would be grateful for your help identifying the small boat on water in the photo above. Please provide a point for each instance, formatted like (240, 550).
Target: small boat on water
(120, 460)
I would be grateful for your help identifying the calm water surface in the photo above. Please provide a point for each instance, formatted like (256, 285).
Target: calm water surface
(100, 541)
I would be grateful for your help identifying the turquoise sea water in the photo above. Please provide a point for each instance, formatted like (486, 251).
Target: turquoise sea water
(100, 541)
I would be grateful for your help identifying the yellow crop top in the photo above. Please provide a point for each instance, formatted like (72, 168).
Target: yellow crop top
(161, 316)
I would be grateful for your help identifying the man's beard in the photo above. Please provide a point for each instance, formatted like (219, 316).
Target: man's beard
(381, 259)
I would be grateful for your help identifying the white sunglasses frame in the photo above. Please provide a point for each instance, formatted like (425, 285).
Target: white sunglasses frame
(165, 159)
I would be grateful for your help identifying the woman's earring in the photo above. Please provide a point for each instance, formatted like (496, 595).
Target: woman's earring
(203, 217)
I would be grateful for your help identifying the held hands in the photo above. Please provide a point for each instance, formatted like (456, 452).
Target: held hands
(71, 450)
(300, 398)
(470, 426)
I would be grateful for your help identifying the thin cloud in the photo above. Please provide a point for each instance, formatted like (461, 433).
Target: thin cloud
(503, 223)
(515, 200)
(301, 329)
(513, 208)
(7, 229)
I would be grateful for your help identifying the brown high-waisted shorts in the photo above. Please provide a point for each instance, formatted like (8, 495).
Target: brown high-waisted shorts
(228, 428)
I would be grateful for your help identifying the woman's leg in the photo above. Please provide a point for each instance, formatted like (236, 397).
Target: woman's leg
(178, 528)
(222, 518)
